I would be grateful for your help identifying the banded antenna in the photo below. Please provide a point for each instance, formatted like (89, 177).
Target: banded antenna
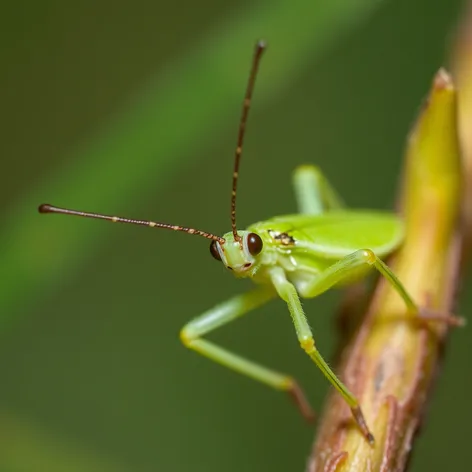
(46, 208)
(259, 49)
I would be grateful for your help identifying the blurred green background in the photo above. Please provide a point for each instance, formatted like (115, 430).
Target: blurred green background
(132, 108)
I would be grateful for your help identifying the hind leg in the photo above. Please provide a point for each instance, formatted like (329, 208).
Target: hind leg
(313, 191)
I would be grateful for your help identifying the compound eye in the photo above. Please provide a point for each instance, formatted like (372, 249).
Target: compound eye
(254, 244)
(214, 251)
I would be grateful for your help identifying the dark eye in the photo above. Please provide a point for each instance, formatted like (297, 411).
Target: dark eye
(214, 251)
(254, 244)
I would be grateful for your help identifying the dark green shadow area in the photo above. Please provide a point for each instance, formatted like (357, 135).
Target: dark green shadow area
(134, 110)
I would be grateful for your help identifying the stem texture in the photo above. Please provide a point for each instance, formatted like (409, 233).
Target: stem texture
(392, 359)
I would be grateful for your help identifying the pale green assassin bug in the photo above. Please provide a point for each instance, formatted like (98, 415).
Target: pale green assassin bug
(291, 256)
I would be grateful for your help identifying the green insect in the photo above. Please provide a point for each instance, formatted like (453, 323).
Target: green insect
(292, 256)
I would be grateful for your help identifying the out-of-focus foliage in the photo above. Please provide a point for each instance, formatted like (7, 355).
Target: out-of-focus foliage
(132, 109)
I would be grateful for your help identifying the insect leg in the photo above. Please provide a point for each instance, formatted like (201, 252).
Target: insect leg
(313, 192)
(225, 313)
(289, 294)
(348, 266)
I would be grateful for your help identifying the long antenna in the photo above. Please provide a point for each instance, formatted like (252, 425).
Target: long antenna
(259, 49)
(46, 208)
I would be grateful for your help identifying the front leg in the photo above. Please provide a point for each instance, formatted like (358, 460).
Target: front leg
(348, 266)
(225, 313)
(289, 294)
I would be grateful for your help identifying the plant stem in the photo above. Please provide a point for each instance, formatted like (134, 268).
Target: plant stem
(392, 359)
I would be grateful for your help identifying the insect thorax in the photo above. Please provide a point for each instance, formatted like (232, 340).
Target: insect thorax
(281, 249)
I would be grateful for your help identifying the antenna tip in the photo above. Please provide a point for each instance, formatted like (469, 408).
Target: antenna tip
(45, 208)
(261, 44)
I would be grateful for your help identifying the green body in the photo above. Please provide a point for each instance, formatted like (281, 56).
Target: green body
(306, 245)
(335, 234)
(302, 255)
